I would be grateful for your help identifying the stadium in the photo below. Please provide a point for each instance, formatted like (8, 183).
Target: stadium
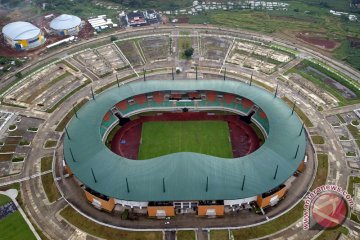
(65, 25)
(23, 35)
(198, 153)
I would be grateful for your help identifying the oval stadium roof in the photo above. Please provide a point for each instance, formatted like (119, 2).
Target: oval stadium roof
(185, 174)
(64, 22)
(20, 31)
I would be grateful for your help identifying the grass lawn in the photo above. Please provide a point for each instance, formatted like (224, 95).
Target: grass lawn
(50, 143)
(219, 235)
(322, 171)
(105, 232)
(4, 199)
(300, 113)
(355, 217)
(354, 131)
(352, 180)
(13, 226)
(185, 235)
(183, 44)
(333, 234)
(19, 200)
(273, 226)
(318, 73)
(342, 120)
(207, 137)
(50, 188)
(46, 163)
(318, 139)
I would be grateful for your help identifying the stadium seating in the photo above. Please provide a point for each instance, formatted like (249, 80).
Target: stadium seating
(211, 99)
(108, 120)
(260, 116)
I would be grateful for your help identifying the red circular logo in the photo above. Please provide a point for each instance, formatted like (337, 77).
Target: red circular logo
(329, 210)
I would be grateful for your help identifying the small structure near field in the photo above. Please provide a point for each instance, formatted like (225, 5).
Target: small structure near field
(101, 22)
(65, 25)
(23, 35)
(138, 18)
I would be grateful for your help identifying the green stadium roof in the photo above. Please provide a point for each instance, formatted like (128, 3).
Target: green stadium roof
(185, 174)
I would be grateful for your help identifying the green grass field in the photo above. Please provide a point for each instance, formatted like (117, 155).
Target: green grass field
(207, 137)
(14, 226)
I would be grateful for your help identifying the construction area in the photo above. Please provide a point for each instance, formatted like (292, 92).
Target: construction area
(44, 89)
(257, 56)
(103, 60)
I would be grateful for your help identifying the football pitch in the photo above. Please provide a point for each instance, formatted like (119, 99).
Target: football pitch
(13, 226)
(207, 137)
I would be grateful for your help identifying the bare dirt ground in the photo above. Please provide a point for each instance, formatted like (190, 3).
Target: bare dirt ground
(318, 40)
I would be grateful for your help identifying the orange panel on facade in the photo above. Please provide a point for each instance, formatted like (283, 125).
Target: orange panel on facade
(211, 210)
(103, 204)
(161, 211)
(68, 170)
(264, 202)
(301, 166)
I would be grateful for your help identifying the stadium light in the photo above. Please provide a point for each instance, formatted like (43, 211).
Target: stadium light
(127, 185)
(276, 90)
(224, 74)
(117, 80)
(297, 150)
(276, 170)
(292, 111)
(144, 71)
(92, 171)
(196, 75)
(164, 190)
(207, 183)
(92, 93)
(251, 79)
(172, 73)
(75, 112)
(242, 187)
(67, 133)
(72, 155)
(302, 128)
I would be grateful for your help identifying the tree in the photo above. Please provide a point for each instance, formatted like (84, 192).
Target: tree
(18, 75)
(113, 38)
(189, 52)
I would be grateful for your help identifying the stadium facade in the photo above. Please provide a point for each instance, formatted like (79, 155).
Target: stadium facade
(66, 25)
(23, 35)
(185, 182)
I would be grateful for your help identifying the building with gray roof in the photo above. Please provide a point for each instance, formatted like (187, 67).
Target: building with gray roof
(65, 25)
(23, 35)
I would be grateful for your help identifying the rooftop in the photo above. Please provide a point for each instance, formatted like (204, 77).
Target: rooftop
(185, 174)
(20, 30)
(65, 21)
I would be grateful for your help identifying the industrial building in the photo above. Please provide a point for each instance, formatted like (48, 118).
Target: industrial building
(23, 35)
(65, 25)
(101, 22)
